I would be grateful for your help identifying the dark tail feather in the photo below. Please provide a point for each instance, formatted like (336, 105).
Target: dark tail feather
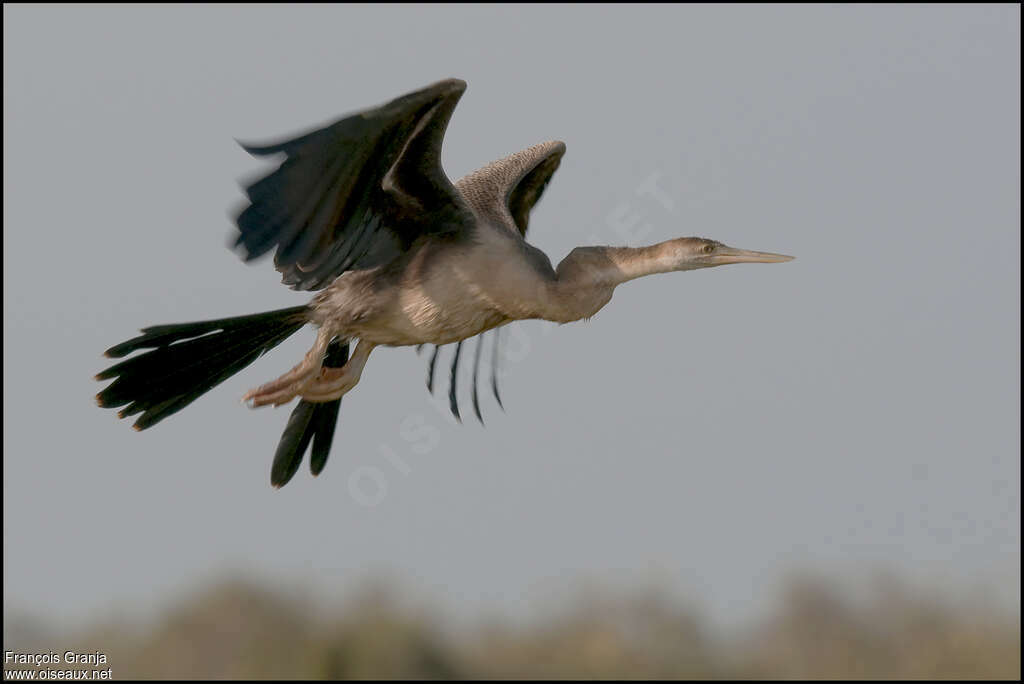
(292, 446)
(309, 422)
(189, 359)
(324, 422)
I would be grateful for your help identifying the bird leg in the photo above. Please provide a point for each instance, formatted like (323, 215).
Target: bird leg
(285, 388)
(332, 383)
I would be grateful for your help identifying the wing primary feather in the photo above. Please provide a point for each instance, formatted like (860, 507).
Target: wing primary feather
(494, 369)
(430, 370)
(296, 239)
(476, 371)
(355, 192)
(452, 394)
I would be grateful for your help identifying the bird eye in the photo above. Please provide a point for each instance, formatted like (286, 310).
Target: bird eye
(708, 248)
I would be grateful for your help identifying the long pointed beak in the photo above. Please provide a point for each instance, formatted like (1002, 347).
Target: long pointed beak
(731, 255)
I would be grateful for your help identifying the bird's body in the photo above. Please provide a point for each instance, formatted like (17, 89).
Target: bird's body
(362, 211)
(446, 289)
(439, 292)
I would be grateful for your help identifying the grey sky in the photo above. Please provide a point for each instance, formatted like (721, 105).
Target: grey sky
(853, 409)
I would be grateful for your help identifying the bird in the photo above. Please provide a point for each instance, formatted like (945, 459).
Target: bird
(361, 212)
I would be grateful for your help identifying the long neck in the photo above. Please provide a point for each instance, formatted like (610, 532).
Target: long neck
(586, 278)
(626, 263)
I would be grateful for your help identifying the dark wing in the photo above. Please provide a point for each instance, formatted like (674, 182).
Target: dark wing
(355, 193)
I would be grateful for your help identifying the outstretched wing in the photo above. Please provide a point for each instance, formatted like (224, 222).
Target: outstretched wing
(530, 187)
(355, 193)
(507, 189)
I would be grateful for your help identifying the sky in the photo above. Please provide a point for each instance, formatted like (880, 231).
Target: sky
(712, 431)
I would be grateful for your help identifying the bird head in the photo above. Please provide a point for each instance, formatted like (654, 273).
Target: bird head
(689, 253)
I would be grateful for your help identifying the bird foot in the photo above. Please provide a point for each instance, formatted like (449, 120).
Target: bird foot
(283, 389)
(272, 394)
(311, 381)
(331, 384)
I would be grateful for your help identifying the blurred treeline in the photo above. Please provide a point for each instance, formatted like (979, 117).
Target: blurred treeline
(239, 629)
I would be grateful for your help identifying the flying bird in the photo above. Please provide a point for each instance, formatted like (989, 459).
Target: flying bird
(362, 212)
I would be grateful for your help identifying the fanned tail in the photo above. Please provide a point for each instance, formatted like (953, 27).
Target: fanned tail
(186, 360)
